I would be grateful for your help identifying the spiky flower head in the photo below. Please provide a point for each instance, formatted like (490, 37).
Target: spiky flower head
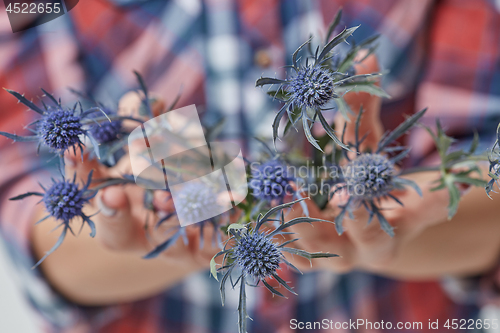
(108, 135)
(370, 176)
(257, 254)
(64, 202)
(317, 83)
(59, 128)
(270, 181)
(106, 132)
(494, 174)
(494, 158)
(311, 87)
(196, 200)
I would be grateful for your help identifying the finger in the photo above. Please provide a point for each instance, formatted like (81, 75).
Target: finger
(320, 237)
(370, 242)
(163, 202)
(373, 245)
(116, 227)
(416, 214)
(130, 104)
(81, 165)
(370, 124)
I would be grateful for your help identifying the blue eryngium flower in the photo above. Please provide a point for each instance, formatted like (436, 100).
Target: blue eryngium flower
(318, 84)
(311, 87)
(494, 158)
(111, 137)
(270, 181)
(59, 128)
(194, 202)
(106, 132)
(256, 255)
(494, 173)
(370, 177)
(64, 202)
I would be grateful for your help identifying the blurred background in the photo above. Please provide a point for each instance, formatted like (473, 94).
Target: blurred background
(15, 313)
(73, 53)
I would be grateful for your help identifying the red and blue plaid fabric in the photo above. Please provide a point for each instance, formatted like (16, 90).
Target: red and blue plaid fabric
(442, 54)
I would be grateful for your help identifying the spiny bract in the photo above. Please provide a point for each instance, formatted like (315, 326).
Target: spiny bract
(370, 177)
(257, 255)
(64, 201)
(318, 82)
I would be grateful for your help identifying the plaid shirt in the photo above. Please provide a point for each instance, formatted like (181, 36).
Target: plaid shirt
(442, 54)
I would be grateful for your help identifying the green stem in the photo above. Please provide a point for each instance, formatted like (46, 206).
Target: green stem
(443, 168)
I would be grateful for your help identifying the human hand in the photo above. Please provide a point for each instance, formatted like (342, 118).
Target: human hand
(123, 216)
(369, 245)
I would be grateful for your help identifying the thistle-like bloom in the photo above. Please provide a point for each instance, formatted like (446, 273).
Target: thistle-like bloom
(195, 202)
(111, 137)
(59, 128)
(494, 173)
(64, 202)
(256, 255)
(311, 87)
(270, 181)
(319, 83)
(370, 177)
(494, 158)
(107, 132)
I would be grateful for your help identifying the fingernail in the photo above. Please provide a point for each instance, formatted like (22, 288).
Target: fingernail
(104, 210)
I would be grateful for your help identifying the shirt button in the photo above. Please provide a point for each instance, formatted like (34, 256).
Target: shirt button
(262, 58)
